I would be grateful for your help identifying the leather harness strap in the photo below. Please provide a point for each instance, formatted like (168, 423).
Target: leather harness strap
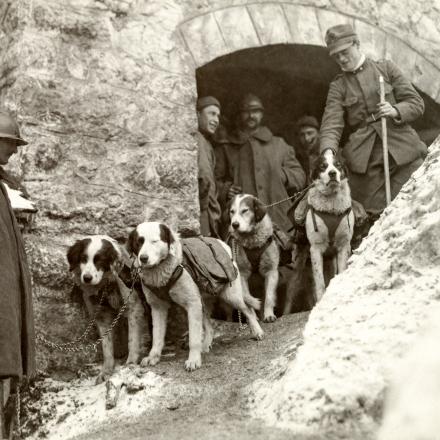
(163, 292)
(254, 254)
(332, 221)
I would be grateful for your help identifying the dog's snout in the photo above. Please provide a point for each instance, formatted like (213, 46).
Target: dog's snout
(332, 174)
(87, 278)
(144, 259)
(235, 225)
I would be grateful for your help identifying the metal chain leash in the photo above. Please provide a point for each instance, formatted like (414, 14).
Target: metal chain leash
(73, 346)
(69, 347)
(234, 258)
(17, 428)
(289, 198)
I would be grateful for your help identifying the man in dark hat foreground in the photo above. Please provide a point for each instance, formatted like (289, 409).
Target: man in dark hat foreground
(254, 161)
(17, 339)
(353, 102)
(208, 116)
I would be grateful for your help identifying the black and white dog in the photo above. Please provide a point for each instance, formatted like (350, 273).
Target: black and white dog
(330, 219)
(96, 262)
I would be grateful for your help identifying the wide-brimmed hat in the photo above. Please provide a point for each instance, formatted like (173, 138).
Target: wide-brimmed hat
(206, 101)
(251, 102)
(340, 37)
(9, 129)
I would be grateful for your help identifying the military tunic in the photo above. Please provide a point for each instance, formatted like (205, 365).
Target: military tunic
(352, 99)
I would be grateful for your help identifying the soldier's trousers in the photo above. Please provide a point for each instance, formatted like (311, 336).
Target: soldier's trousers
(369, 188)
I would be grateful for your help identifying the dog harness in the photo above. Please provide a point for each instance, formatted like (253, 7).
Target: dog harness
(208, 264)
(163, 292)
(332, 221)
(254, 254)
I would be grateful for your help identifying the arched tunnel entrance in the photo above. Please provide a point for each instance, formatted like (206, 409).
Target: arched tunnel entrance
(292, 80)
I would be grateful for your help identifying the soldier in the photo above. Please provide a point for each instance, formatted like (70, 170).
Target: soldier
(307, 129)
(254, 161)
(17, 341)
(208, 114)
(354, 99)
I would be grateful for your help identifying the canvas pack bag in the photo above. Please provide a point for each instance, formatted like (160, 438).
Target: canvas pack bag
(208, 263)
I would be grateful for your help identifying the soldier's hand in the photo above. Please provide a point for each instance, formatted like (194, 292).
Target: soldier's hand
(234, 190)
(385, 109)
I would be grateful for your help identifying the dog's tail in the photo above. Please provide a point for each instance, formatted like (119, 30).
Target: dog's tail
(253, 302)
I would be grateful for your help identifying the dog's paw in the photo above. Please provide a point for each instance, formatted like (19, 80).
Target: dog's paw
(270, 318)
(102, 377)
(193, 363)
(151, 359)
(132, 360)
(206, 347)
(259, 335)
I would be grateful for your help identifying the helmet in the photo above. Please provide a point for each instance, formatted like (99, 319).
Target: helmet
(251, 102)
(9, 128)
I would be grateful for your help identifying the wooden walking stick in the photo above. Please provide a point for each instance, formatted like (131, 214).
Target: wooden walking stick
(386, 165)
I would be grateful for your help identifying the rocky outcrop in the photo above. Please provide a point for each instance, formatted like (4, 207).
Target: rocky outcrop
(99, 95)
(367, 319)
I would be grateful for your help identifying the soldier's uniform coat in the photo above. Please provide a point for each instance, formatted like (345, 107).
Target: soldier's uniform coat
(263, 165)
(352, 99)
(17, 337)
(210, 211)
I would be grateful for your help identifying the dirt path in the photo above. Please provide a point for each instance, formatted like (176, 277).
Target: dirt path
(210, 403)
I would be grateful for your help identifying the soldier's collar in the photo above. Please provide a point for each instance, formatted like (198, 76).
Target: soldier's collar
(359, 67)
(262, 134)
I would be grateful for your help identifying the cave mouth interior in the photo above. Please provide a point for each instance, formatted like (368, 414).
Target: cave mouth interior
(292, 80)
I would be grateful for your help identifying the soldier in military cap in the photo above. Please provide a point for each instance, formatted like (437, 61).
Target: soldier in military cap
(353, 102)
(208, 116)
(252, 160)
(17, 341)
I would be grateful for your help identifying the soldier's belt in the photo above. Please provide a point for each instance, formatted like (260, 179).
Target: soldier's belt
(370, 119)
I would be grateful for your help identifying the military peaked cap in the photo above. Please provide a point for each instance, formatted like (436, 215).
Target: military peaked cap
(340, 37)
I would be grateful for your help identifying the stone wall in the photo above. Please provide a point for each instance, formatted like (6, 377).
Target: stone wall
(105, 91)
(105, 100)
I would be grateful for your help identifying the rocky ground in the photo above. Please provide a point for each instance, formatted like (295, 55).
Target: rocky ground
(167, 402)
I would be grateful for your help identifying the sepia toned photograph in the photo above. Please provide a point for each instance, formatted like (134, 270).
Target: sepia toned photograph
(219, 219)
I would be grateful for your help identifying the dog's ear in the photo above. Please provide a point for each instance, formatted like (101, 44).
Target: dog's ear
(74, 254)
(259, 210)
(131, 242)
(165, 234)
(113, 256)
(226, 216)
(316, 170)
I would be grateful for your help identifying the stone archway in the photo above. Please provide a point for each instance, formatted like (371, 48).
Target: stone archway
(234, 28)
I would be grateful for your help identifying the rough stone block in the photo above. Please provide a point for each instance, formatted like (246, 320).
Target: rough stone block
(328, 19)
(237, 28)
(398, 51)
(373, 40)
(303, 23)
(270, 23)
(426, 77)
(204, 39)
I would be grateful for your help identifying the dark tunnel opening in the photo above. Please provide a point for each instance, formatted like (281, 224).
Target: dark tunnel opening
(292, 80)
